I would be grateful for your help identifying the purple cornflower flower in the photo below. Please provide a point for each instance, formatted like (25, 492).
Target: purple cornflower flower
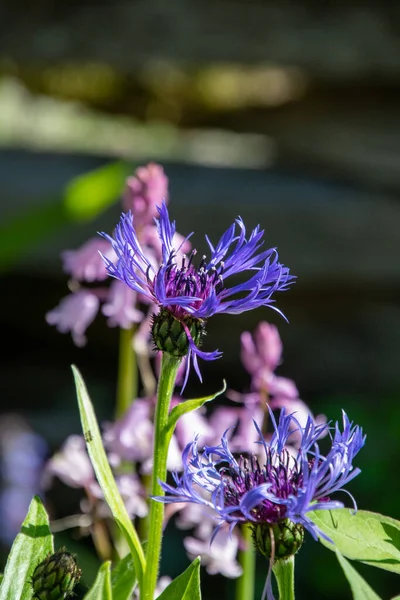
(277, 494)
(187, 295)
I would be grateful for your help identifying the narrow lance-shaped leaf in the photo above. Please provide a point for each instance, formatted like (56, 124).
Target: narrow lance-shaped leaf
(365, 536)
(101, 588)
(359, 587)
(30, 547)
(104, 474)
(186, 586)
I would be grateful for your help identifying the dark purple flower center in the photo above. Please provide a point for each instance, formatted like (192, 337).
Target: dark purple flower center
(280, 471)
(187, 280)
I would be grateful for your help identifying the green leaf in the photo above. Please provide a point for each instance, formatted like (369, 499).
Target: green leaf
(186, 586)
(104, 474)
(359, 587)
(101, 588)
(365, 536)
(123, 579)
(30, 547)
(90, 194)
(186, 407)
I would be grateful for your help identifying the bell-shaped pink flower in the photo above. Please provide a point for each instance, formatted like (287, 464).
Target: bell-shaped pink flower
(75, 313)
(71, 464)
(144, 191)
(218, 557)
(120, 307)
(262, 350)
(86, 263)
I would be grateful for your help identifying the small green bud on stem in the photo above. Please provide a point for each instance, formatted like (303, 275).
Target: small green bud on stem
(288, 538)
(170, 336)
(55, 577)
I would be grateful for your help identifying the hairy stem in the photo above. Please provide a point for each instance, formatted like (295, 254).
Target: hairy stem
(169, 368)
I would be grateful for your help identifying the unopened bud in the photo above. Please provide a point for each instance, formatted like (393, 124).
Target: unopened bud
(287, 539)
(170, 336)
(55, 577)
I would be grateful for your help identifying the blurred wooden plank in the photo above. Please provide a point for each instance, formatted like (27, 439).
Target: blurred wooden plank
(330, 39)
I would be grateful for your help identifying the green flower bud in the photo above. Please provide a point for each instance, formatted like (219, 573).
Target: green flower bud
(170, 336)
(288, 537)
(55, 577)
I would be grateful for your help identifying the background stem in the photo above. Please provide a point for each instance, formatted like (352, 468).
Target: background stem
(169, 368)
(127, 372)
(247, 559)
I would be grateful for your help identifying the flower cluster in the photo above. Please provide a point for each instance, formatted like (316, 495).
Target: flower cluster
(130, 439)
(276, 482)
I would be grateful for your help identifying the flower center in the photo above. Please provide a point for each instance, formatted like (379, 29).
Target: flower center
(187, 280)
(280, 471)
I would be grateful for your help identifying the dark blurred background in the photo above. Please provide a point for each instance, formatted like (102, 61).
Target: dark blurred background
(285, 113)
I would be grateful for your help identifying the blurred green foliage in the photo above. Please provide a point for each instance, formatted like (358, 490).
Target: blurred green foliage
(84, 198)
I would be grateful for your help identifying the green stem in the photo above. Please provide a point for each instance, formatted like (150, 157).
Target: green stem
(143, 523)
(169, 368)
(247, 559)
(284, 573)
(127, 372)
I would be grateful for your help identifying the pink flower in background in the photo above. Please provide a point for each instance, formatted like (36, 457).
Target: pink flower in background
(131, 437)
(133, 494)
(262, 350)
(241, 421)
(261, 353)
(191, 424)
(218, 557)
(72, 465)
(86, 263)
(197, 517)
(75, 313)
(144, 191)
(120, 307)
